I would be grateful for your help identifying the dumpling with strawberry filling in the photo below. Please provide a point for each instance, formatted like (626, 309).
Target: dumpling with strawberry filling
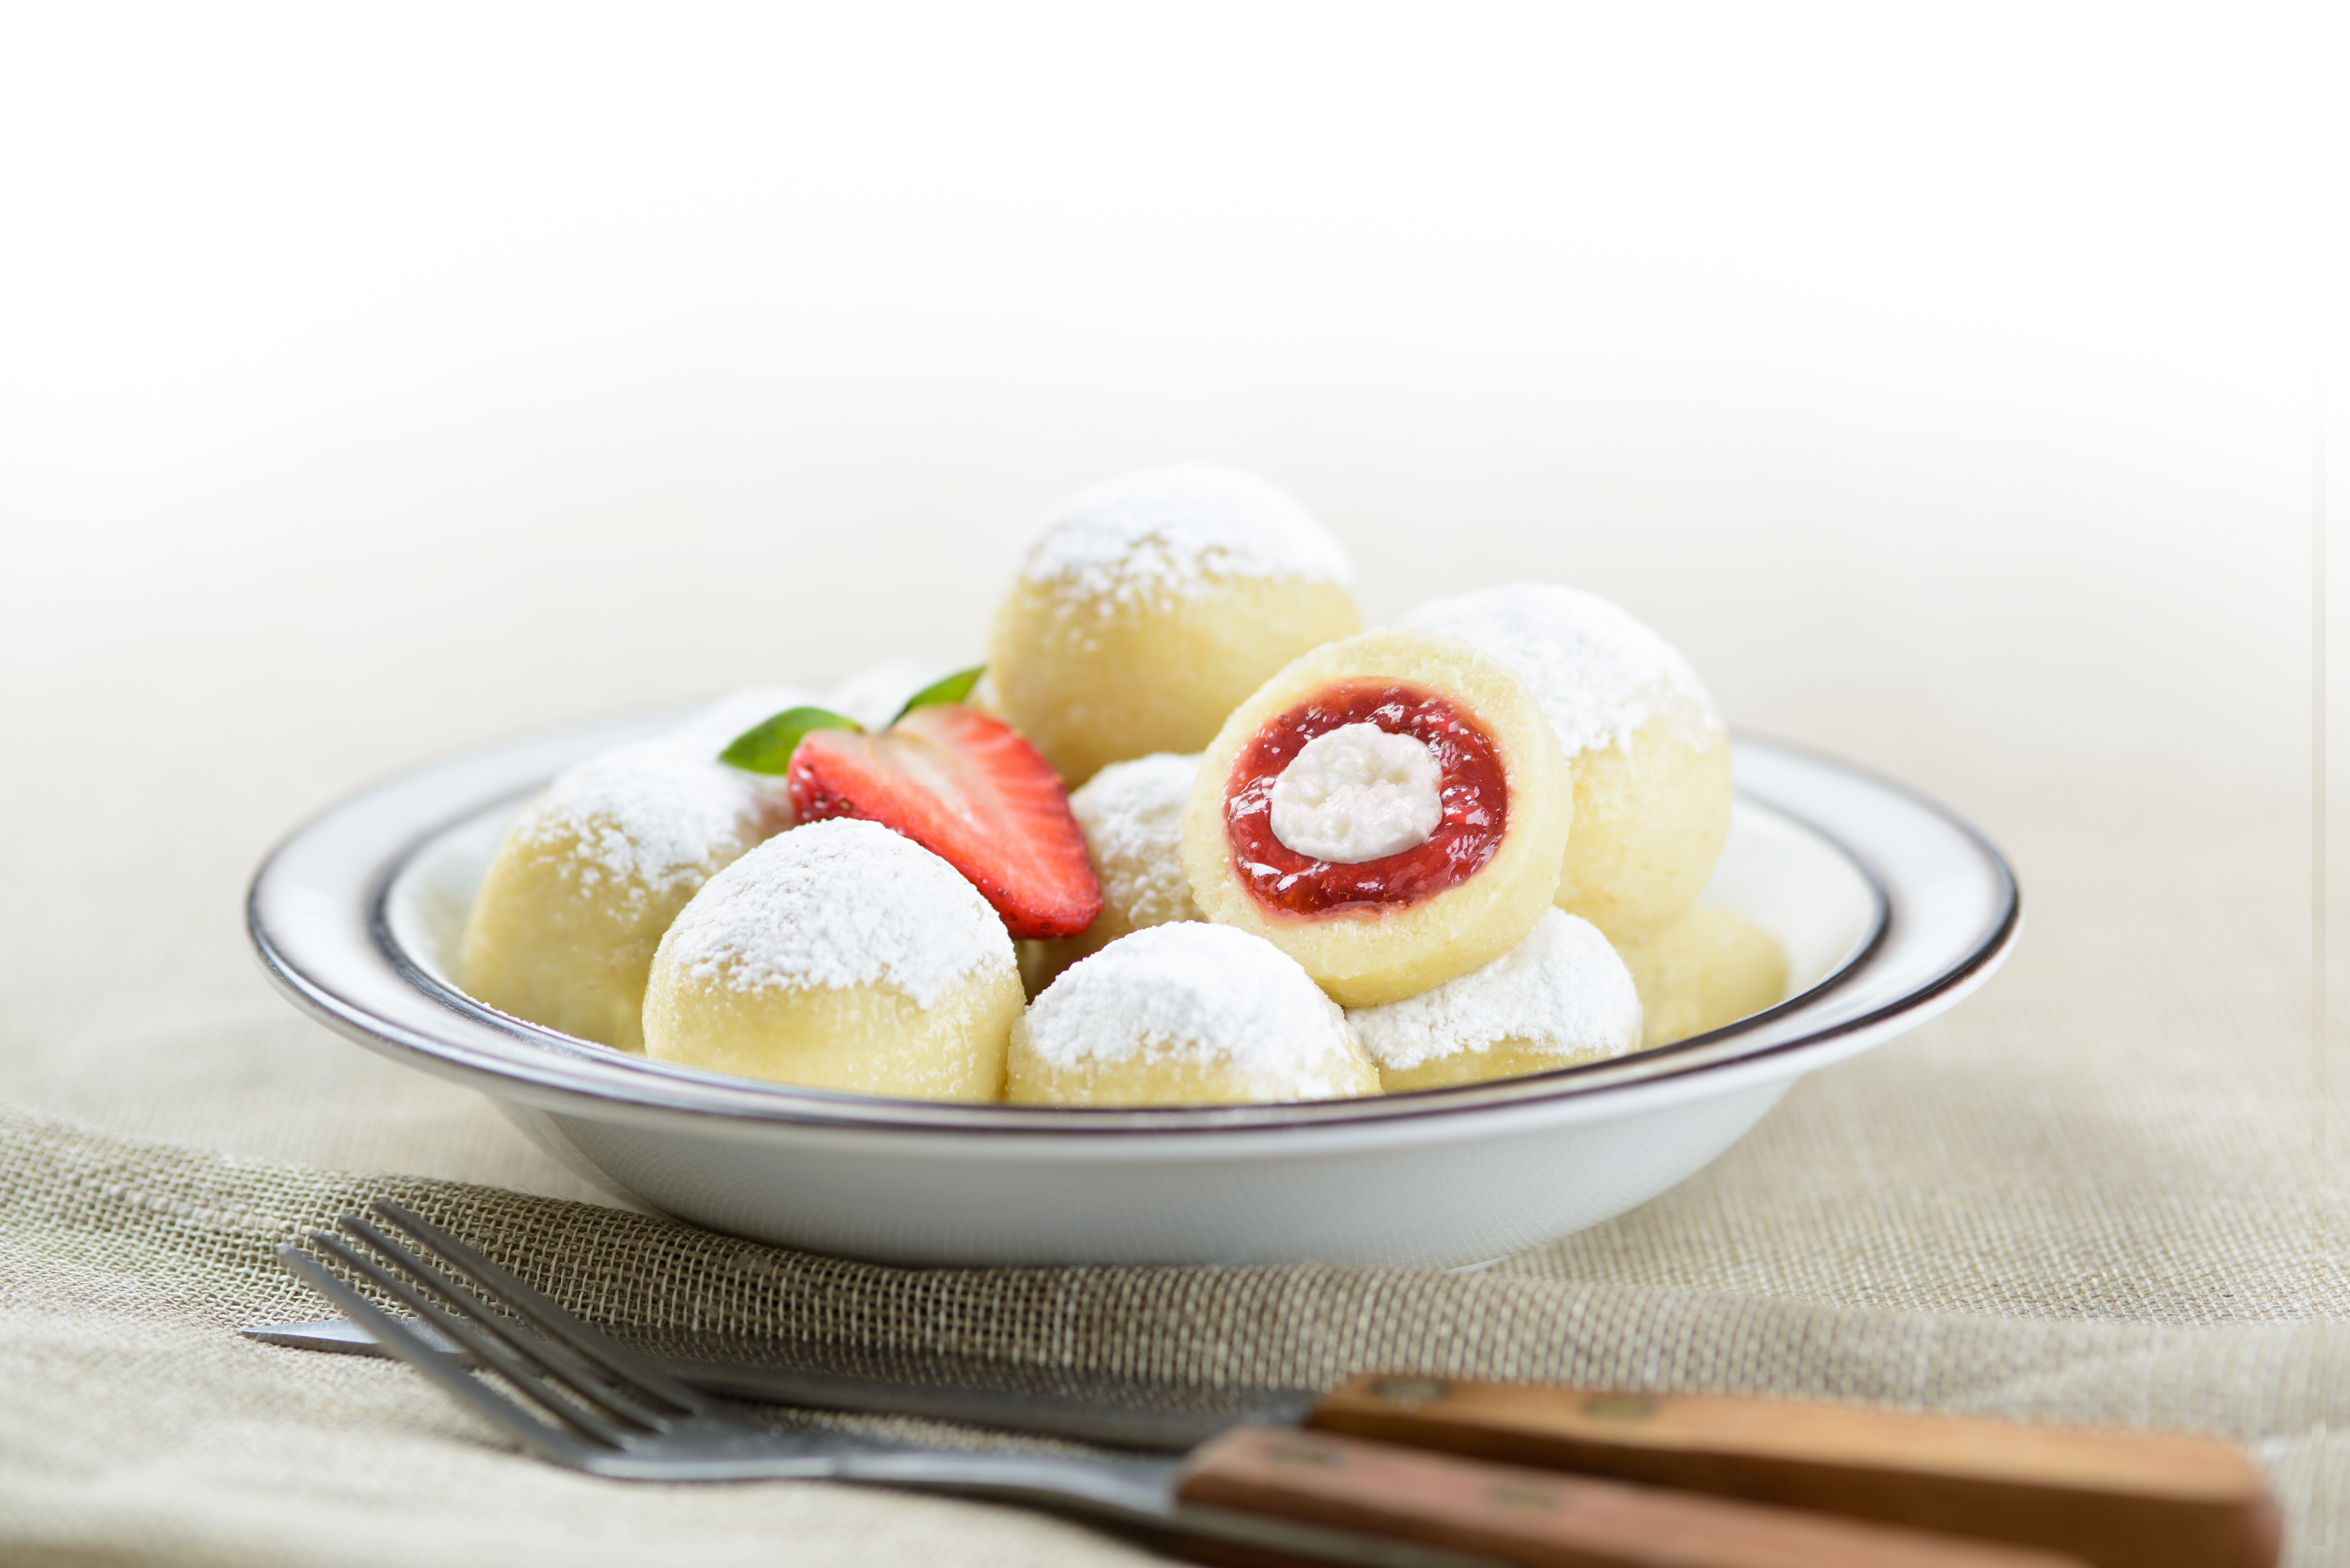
(1390, 811)
(1558, 999)
(839, 956)
(1184, 1014)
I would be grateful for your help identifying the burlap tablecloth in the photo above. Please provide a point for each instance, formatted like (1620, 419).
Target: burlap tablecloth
(2103, 1191)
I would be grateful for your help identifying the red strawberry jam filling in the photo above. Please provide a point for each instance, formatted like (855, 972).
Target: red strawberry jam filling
(1474, 798)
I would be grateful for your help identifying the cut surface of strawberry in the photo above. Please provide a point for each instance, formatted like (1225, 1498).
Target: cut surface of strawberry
(971, 791)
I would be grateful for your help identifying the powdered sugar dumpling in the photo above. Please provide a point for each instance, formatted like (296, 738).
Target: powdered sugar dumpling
(1150, 605)
(1650, 751)
(1131, 815)
(839, 956)
(1560, 997)
(563, 929)
(1184, 1014)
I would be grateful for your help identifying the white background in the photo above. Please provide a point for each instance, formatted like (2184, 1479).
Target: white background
(243, 238)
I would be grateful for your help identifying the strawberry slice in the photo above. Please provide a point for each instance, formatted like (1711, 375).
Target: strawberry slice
(970, 790)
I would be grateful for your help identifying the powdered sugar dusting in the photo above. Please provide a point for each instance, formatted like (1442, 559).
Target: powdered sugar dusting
(1208, 993)
(1131, 814)
(1561, 990)
(657, 816)
(838, 904)
(1598, 674)
(1165, 533)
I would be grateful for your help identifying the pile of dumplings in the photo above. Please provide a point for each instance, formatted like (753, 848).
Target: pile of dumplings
(1327, 862)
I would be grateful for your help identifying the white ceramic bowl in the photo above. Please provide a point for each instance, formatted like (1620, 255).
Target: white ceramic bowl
(1890, 908)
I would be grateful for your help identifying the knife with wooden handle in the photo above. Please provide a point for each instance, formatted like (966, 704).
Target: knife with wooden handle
(2116, 1500)
(2109, 1498)
(1538, 1518)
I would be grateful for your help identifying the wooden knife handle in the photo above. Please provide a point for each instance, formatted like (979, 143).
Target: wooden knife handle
(2117, 1499)
(1540, 1519)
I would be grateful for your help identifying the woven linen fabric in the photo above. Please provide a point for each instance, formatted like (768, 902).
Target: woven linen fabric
(138, 1429)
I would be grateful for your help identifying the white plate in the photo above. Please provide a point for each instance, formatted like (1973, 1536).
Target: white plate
(1891, 910)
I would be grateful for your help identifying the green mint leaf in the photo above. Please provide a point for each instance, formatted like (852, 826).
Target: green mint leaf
(766, 747)
(950, 689)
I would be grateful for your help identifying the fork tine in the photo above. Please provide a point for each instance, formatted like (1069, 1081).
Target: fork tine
(491, 1349)
(444, 1370)
(550, 1358)
(607, 1355)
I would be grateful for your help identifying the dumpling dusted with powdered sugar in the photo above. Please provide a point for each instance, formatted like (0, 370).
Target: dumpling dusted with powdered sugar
(1148, 606)
(1184, 1014)
(1131, 815)
(1650, 751)
(839, 956)
(1559, 998)
(563, 929)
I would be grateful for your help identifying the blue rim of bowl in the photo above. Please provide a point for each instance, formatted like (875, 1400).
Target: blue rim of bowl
(757, 1101)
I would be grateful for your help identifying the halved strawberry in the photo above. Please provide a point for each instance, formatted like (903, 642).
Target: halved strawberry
(970, 790)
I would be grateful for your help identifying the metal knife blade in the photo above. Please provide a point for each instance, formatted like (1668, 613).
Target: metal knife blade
(1116, 1412)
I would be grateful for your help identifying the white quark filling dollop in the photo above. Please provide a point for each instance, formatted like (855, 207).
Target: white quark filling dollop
(838, 904)
(1196, 993)
(652, 814)
(1357, 792)
(1165, 531)
(1598, 673)
(1561, 990)
(1132, 816)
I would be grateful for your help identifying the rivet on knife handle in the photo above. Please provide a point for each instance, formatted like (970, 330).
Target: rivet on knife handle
(1540, 1519)
(2117, 1499)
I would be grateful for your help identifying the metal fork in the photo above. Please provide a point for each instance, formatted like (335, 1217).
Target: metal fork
(597, 1405)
